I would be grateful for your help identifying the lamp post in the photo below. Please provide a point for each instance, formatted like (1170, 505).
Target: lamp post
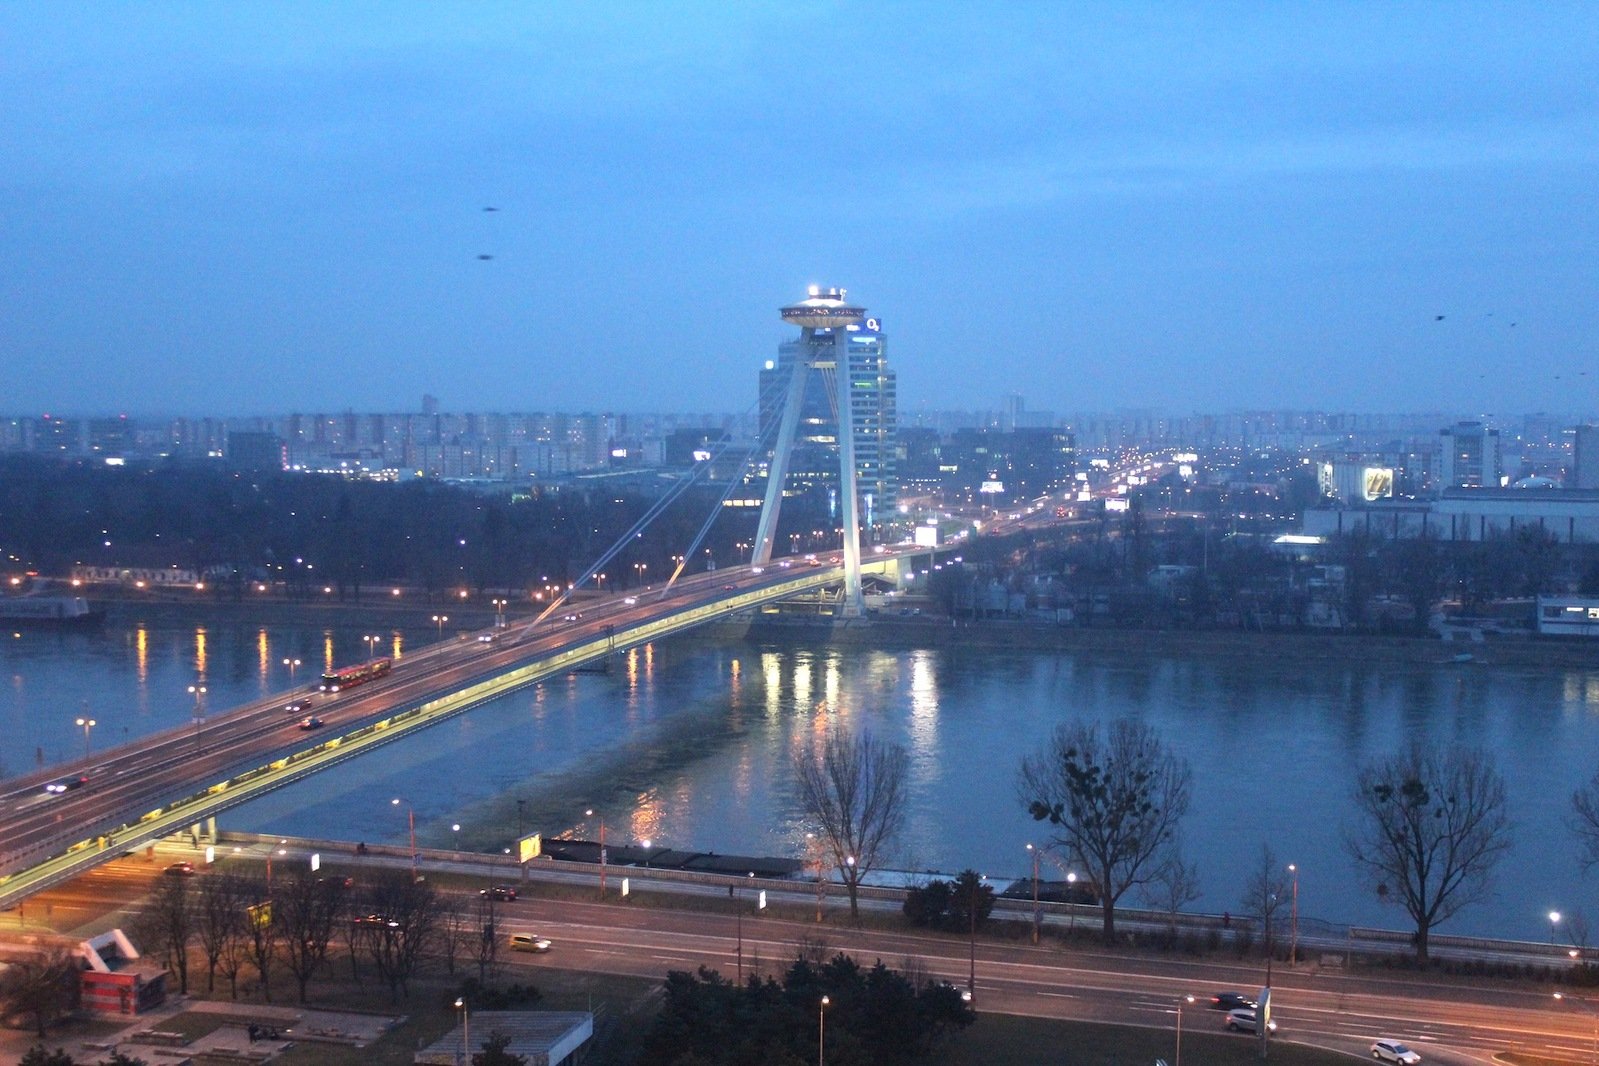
(1071, 902)
(1181, 1002)
(466, 1030)
(971, 913)
(499, 613)
(1293, 938)
(86, 724)
(371, 643)
(410, 817)
(590, 814)
(1554, 920)
(293, 665)
(438, 622)
(821, 1031)
(646, 843)
(1037, 917)
(738, 912)
(1587, 1006)
(198, 692)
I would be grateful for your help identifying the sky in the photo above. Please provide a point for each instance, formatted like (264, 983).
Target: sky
(250, 208)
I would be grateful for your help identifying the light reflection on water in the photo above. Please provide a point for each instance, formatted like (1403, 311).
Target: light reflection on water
(690, 745)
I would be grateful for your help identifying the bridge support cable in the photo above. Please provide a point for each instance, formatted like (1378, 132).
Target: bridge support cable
(654, 511)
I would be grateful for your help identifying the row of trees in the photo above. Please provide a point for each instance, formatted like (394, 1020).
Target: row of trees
(244, 927)
(55, 514)
(1430, 824)
(874, 1016)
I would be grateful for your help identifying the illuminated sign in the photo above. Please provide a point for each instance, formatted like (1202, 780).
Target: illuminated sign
(873, 325)
(1116, 505)
(926, 536)
(1325, 480)
(529, 847)
(1379, 482)
(701, 455)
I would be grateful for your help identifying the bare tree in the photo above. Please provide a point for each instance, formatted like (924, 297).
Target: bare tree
(1267, 891)
(40, 987)
(219, 900)
(169, 924)
(486, 951)
(1585, 821)
(1116, 799)
(408, 915)
(306, 912)
(1173, 885)
(261, 930)
(855, 788)
(1431, 827)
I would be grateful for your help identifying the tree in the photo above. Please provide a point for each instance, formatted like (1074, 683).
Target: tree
(1267, 891)
(1116, 799)
(408, 918)
(1585, 820)
(1431, 825)
(306, 912)
(496, 1052)
(39, 1055)
(216, 914)
(1173, 885)
(260, 932)
(40, 987)
(971, 901)
(855, 788)
(171, 923)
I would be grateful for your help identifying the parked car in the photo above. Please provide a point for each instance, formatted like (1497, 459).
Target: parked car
(498, 892)
(1231, 1001)
(180, 869)
(1394, 1051)
(1244, 1020)
(529, 942)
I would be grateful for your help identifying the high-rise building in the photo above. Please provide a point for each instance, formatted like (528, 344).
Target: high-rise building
(1469, 457)
(861, 350)
(1585, 458)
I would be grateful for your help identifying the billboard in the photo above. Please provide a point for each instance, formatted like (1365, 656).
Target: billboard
(529, 847)
(1378, 482)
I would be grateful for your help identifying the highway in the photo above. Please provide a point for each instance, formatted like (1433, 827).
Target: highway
(121, 786)
(1450, 1021)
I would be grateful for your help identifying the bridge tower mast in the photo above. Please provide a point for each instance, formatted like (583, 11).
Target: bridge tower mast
(823, 345)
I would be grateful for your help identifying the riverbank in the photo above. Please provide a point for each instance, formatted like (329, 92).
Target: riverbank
(936, 632)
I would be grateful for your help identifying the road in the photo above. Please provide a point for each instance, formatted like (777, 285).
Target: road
(1448, 1021)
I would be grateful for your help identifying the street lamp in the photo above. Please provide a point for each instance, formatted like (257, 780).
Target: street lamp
(499, 613)
(821, 1031)
(466, 1029)
(1071, 902)
(590, 814)
(438, 621)
(1037, 917)
(646, 843)
(971, 913)
(738, 913)
(1183, 1001)
(371, 643)
(86, 724)
(293, 665)
(1554, 920)
(1293, 939)
(410, 817)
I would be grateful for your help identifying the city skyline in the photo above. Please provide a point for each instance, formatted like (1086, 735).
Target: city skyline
(1179, 208)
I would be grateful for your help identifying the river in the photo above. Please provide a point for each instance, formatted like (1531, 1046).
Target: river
(688, 744)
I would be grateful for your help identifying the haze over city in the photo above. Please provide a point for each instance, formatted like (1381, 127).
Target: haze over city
(248, 208)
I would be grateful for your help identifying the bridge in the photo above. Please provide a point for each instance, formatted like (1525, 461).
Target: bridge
(182, 778)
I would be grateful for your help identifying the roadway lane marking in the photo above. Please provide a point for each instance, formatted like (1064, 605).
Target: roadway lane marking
(1058, 995)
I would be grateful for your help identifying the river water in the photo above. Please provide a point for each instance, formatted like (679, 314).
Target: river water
(688, 744)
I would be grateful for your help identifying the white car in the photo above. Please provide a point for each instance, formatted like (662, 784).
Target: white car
(529, 942)
(1394, 1051)
(1244, 1020)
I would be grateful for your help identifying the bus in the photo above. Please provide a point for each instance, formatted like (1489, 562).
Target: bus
(348, 676)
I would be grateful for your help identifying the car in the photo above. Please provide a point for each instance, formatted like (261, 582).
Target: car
(65, 784)
(630, 600)
(1231, 1001)
(377, 920)
(297, 706)
(729, 588)
(573, 617)
(1244, 1020)
(786, 563)
(180, 869)
(485, 638)
(498, 892)
(1394, 1051)
(529, 942)
(757, 569)
(311, 721)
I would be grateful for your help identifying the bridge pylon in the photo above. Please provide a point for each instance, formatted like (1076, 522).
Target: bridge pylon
(823, 319)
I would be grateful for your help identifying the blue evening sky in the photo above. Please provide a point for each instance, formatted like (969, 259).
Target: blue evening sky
(242, 208)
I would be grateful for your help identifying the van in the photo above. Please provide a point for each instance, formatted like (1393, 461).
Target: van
(529, 942)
